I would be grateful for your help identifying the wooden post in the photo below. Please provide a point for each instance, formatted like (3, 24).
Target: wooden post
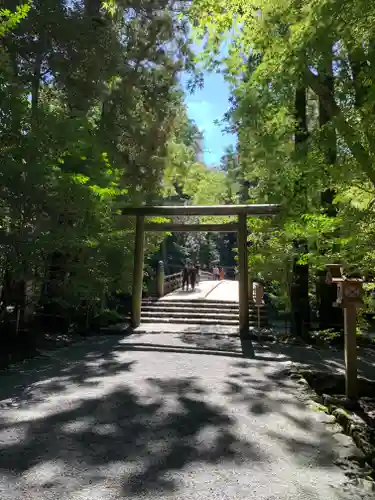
(160, 279)
(250, 286)
(350, 298)
(259, 302)
(243, 275)
(164, 255)
(139, 243)
(258, 317)
(350, 325)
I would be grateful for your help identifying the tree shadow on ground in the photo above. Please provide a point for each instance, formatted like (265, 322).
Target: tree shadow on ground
(211, 341)
(244, 346)
(327, 358)
(145, 347)
(85, 418)
(76, 365)
(274, 393)
(275, 396)
(149, 436)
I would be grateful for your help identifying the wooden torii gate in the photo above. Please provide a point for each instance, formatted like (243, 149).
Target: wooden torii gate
(240, 227)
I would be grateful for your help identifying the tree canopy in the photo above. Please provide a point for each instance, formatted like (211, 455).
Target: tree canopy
(93, 118)
(90, 103)
(274, 54)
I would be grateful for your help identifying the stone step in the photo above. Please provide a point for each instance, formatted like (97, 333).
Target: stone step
(189, 314)
(186, 307)
(194, 303)
(198, 311)
(207, 329)
(195, 321)
(189, 321)
(187, 300)
(196, 314)
(192, 307)
(168, 306)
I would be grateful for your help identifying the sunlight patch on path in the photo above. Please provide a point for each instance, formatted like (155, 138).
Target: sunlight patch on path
(227, 290)
(208, 290)
(200, 292)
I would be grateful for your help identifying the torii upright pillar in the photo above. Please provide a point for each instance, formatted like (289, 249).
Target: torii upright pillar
(243, 272)
(139, 244)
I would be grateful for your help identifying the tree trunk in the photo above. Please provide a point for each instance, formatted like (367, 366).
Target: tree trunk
(329, 316)
(327, 136)
(299, 294)
(348, 132)
(51, 291)
(92, 7)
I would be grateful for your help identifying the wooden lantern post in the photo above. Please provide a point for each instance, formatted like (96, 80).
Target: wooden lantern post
(349, 298)
(334, 273)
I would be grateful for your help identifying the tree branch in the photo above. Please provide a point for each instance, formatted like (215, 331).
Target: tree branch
(344, 128)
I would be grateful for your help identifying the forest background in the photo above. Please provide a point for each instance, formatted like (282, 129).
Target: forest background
(92, 118)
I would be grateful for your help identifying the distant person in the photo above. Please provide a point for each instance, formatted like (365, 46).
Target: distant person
(192, 277)
(222, 274)
(185, 278)
(216, 273)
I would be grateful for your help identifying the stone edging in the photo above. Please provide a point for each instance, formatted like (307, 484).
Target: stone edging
(351, 424)
(354, 427)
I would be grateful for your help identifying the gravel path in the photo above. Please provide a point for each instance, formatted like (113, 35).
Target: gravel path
(164, 416)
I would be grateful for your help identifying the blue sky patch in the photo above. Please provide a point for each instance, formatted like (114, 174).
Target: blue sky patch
(204, 107)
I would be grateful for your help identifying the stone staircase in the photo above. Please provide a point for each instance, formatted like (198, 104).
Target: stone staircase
(197, 312)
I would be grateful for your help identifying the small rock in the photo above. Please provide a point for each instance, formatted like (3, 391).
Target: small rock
(344, 440)
(335, 428)
(333, 400)
(326, 419)
(342, 416)
(302, 381)
(346, 448)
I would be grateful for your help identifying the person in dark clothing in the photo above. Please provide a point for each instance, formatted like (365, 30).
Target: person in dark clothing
(193, 277)
(185, 278)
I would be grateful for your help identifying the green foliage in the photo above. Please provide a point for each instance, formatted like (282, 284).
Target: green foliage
(332, 337)
(188, 181)
(108, 317)
(271, 49)
(9, 19)
(89, 101)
